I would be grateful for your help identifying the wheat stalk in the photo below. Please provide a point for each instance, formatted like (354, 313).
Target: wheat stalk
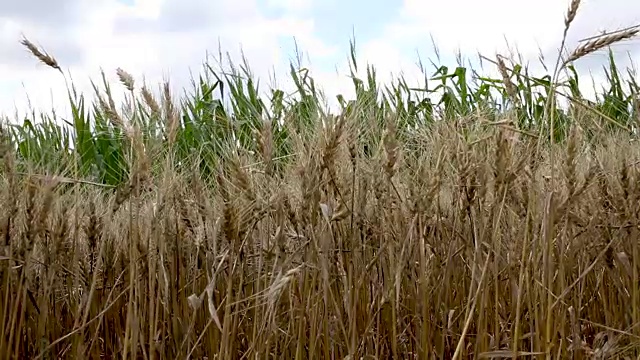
(171, 113)
(600, 43)
(126, 79)
(41, 55)
(508, 85)
(571, 13)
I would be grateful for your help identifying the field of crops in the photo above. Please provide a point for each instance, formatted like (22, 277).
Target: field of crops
(491, 222)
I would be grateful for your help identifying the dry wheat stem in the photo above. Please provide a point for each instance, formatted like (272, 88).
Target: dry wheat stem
(41, 55)
(126, 79)
(600, 43)
(571, 13)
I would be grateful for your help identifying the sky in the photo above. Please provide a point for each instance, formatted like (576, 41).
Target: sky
(159, 40)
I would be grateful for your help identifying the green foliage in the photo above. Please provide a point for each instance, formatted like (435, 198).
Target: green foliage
(223, 112)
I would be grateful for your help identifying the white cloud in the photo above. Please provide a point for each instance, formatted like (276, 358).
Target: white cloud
(141, 40)
(483, 25)
(496, 26)
(161, 39)
(294, 6)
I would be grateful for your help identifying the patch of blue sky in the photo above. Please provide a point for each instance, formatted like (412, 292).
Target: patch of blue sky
(337, 22)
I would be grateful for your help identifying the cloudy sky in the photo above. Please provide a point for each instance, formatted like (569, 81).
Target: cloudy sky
(160, 39)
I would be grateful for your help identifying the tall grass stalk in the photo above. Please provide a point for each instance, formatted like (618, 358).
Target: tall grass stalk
(489, 222)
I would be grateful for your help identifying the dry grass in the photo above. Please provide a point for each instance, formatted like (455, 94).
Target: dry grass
(462, 240)
(400, 261)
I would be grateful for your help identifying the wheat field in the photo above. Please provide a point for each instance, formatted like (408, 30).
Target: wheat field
(398, 228)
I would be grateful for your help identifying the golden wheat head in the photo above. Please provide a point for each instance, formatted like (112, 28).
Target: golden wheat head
(41, 55)
(599, 43)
